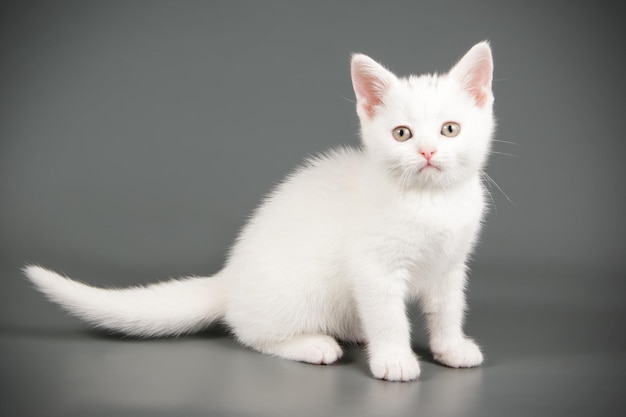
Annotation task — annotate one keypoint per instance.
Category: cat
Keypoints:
(338, 249)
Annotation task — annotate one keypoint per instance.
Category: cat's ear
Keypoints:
(370, 81)
(475, 71)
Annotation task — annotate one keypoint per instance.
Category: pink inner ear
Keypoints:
(370, 82)
(369, 92)
(479, 84)
(474, 71)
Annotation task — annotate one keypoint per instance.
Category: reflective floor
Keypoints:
(553, 338)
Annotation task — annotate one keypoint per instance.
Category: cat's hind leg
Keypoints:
(311, 348)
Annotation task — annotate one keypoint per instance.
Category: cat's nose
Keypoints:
(427, 152)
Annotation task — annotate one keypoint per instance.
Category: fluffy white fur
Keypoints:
(338, 249)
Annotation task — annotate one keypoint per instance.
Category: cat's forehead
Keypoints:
(429, 86)
(428, 94)
(424, 81)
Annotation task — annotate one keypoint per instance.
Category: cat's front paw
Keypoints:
(463, 354)
(395, 366)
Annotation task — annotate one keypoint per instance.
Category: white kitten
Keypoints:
(338, 249)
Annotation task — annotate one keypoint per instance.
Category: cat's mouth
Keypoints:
(429, 166)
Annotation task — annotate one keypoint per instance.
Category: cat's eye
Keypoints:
(450, 129)
(402, 133)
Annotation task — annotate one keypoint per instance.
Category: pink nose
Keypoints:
(427, 153)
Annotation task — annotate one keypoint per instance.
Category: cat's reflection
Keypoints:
(222, 377)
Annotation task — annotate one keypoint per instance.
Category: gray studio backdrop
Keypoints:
(141, 134)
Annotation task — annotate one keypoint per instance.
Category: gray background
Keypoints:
(136, 137)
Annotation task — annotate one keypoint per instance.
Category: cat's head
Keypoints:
(428, 130)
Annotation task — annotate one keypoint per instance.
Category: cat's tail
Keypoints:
(164, 309)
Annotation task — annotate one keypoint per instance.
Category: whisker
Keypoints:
(493, 202)
(348, 99)
(492, 181)
(505, 141)
(398, 170)
(404, 177)
(503, 153)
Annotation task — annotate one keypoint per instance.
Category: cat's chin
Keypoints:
(427, 179)
(433, 178)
